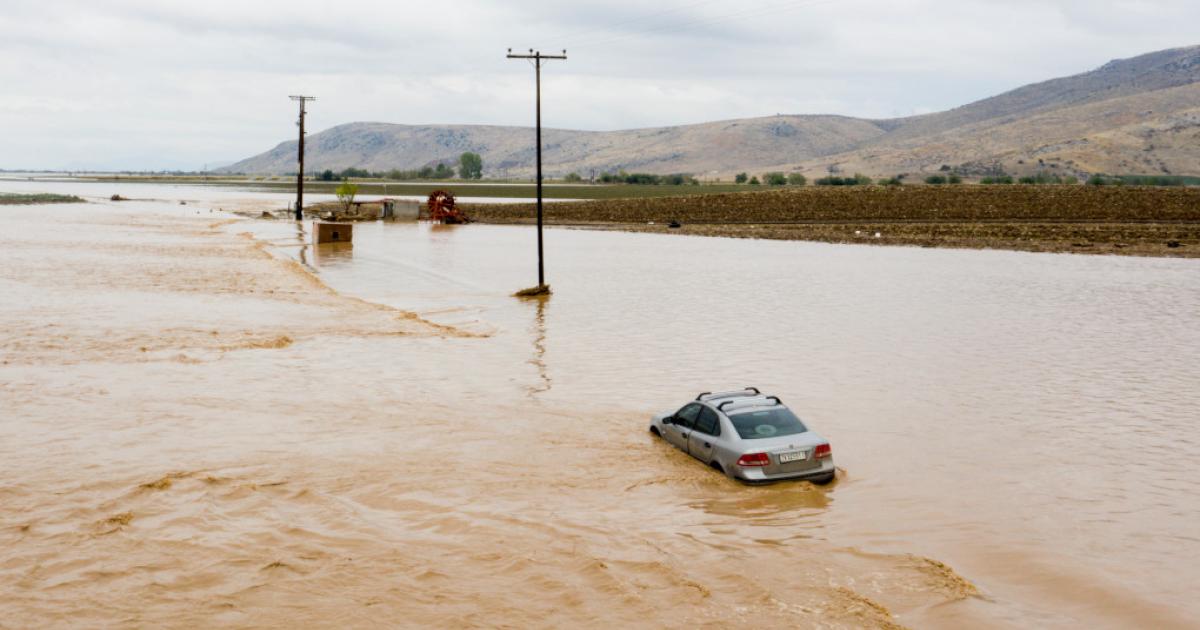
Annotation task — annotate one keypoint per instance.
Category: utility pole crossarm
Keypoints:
(536, 55)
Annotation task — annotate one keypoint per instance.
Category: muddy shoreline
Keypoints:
(1128, 221)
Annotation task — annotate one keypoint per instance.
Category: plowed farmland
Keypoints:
(1083, 219)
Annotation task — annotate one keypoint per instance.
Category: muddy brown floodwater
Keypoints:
(204, 422)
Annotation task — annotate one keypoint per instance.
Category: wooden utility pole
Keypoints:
(538, 58)
(300, 175)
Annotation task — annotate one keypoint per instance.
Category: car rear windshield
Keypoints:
(768, 423)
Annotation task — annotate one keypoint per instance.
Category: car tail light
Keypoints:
(754, 459)
(823, 450)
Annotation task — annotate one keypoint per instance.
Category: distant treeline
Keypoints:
(1143, 180)
(1098, 179)
(857, 179)
(441, 171)
(645, 179)
(470, 166)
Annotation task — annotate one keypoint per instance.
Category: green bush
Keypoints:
(754, 181)
(797, 179)
(1041, 179)
(936, 180)
(345, 193)
(775, 179)
(741, 178)
(677, 179)
(641, 178)
(857, 180)
(572, 177)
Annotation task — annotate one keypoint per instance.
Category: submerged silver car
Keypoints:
(747, 436)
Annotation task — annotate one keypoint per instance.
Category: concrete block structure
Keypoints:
(332, 232)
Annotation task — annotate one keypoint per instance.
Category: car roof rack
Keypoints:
(752, 402)
(749, 391)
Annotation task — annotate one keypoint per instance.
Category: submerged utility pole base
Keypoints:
(541, 290)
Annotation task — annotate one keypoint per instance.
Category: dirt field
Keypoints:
(1083, 219)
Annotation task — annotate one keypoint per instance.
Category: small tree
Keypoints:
(470, 166)
(954, 179)
(345, 194)
(741, 178)
(327, 175)
(797, 179)
(775, 179)
(754, 181)
(572, 177)
(936, 180)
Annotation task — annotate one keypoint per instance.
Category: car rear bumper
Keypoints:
(758, 475)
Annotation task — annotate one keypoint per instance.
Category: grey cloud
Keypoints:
(201, 82)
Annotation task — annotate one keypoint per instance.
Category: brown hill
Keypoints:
(509, 151)
(1135, 116)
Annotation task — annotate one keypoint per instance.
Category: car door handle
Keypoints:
(707, 445)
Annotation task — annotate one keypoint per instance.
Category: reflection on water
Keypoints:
(302, 239)
(195, 432)
(331, 254)
(769, 505)
(539, 346)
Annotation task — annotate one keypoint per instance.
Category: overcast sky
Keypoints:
(141, 84)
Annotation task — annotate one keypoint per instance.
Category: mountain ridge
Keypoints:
(1153, 130)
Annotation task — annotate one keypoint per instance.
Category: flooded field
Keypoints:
(207, 422)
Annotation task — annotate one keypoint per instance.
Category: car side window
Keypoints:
(686, 417)
(707, 422)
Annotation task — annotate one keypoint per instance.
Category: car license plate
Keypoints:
(794, 456)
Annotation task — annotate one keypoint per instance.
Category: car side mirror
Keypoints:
(669, 420)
